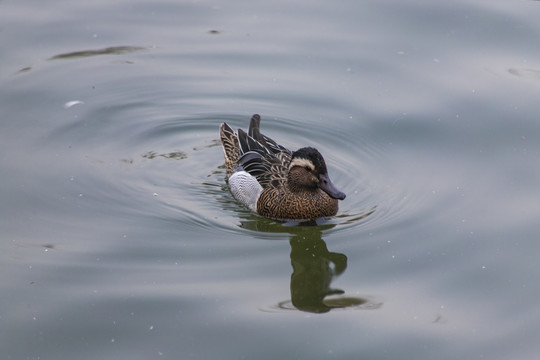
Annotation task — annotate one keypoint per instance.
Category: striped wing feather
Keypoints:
(262, 157)
(270, 170)
(259, 155)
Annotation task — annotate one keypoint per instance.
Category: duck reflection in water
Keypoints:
(314, 268)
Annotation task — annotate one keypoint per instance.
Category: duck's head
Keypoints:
(307, 171)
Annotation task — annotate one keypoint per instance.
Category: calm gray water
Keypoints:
(119, 239)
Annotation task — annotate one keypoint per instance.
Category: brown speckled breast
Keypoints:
(280, 204)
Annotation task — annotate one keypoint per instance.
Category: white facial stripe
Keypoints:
(302, 163)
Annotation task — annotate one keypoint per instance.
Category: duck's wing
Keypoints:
(268, 163)
(269, 170)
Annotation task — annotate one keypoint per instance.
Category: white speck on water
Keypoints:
(69, 104)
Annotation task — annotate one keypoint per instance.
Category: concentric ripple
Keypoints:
(183, 164)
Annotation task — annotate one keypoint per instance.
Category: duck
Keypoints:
(273, 181)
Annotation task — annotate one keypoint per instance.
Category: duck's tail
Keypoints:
(254, 131)
(229, 141)
(254, 127)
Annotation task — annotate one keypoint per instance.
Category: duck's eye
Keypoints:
(307, 168)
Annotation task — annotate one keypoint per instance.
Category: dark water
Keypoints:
(119, 239)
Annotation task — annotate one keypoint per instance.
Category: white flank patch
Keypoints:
(245, 188)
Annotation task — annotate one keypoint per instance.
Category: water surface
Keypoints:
(119, 238)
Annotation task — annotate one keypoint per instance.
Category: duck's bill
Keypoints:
(328, 187)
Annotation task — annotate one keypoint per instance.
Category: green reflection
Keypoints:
(314, 267)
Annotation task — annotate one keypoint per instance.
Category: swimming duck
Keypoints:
(275, 182)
